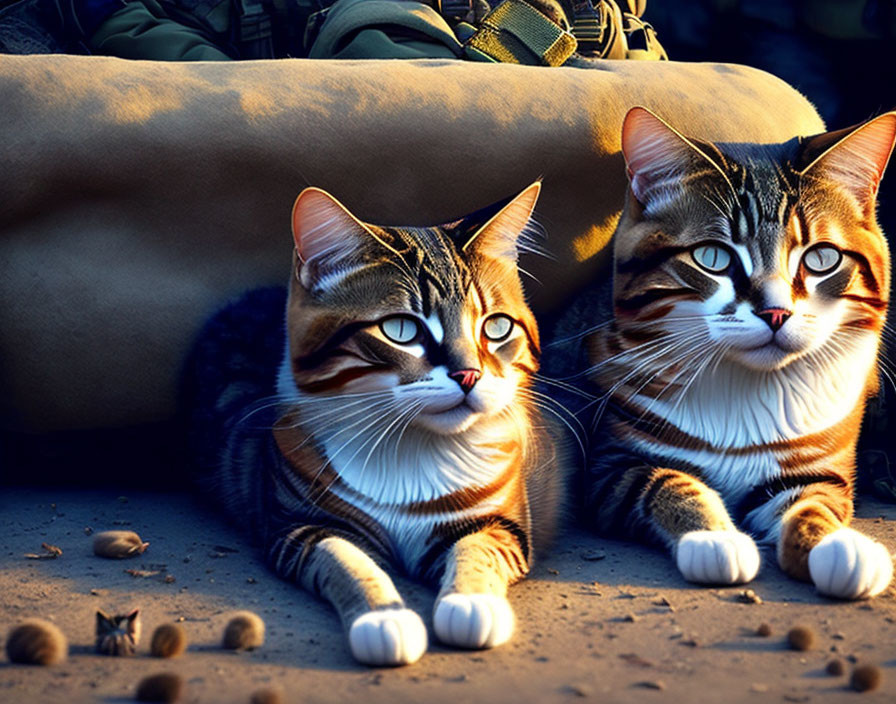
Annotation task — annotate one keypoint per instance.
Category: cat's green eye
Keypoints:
(712, 257)
(401, 329)
(497, 327)
(822, 259)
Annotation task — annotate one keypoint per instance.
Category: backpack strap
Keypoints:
(515, 32)
(254, 37)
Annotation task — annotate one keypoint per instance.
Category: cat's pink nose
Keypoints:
(774, 317)
(466, 378)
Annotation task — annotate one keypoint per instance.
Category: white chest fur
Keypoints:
(383, 478)
(418, 466)
(733, 407)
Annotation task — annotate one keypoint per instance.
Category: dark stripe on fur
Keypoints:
(763, 493)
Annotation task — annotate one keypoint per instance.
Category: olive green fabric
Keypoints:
(384, 29)
(143, 30)
(353, 29)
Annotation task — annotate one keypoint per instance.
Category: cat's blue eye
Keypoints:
(401, 329)
(497, 327)
(822, 259)
(712, 257)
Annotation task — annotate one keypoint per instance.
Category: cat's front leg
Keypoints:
(381, 630)
(694, 522)
(472, 610)
(817, 545)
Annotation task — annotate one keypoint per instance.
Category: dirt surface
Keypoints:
(597, 621)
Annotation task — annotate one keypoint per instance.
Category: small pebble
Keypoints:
(651, 684)
(117, 544)
(36, 642)
(165, 687)
(630, 617)
(800, 638)
(244, 631)
(580, 690)
(764, 630)
(865, 678)
(268, 695)
(748, 596)
(835, 667)
(168, 641)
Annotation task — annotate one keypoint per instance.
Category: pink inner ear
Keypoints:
(321, 226)
(653, 152)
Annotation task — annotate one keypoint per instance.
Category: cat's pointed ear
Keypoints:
(324, 227)
(134, 627)
(657, 155)
(499, 236)
(855, 158)
(326, 235)
(103, 622)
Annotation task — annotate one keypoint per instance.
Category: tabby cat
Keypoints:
(401, 429)
(733, 354)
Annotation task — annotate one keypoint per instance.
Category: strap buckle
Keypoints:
(456, 10)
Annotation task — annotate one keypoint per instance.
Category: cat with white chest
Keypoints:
(733, 352)
(389, 423)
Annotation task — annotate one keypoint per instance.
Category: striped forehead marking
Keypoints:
(436, 271)
(766, 194)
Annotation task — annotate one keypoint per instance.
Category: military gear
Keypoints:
(640, 38)
(535, 32)
(162, 32)
(515, 32)
(604, 31)
(393, 29)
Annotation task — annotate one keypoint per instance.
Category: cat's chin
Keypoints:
(451, 422)
(766, 358)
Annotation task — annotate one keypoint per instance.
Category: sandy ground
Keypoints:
(598, 620)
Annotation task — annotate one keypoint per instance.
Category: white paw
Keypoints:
(717, 557)
(473, 620)
(850, 565)
(387, 637)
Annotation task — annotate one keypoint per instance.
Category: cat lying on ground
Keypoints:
(402, 429)
(734, 350)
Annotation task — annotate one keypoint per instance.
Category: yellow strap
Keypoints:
(515, 32)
